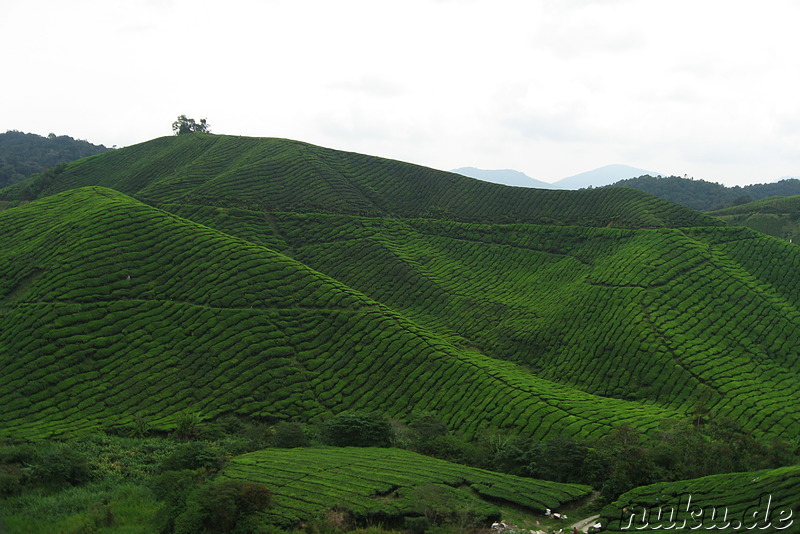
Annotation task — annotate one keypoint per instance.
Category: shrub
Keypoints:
(17, 454)
(427, 426)
(289, 435)
(221, 506)
(357, 429)
(417, 525)
(186, 424)
(10, 480)
(193, 455)
(61, 465)
(172, 488)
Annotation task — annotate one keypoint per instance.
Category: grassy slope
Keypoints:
(682, 317)
(269, 174)
(111, 309)
(678, 316)
(779, 217)
(741, 495)
(381, 484)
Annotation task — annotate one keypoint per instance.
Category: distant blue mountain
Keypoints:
(603, 176)
(597, 178)
(504, 177)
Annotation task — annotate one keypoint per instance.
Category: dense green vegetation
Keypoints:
(385, 485)
(277, 174)
(708, 196)
(107, 483)
(98, 330)
(764, 500)
(621, 313)
(603, 337)
(24, 154)
(779, 217)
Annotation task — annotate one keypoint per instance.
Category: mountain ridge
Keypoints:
(599, 177)
(262, 174)
(709, 196)
(590, 287)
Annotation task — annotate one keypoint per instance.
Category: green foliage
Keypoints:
(11, 478)
(222, 506)
(23, 155)
(192, 456)
(357, 429)
(60, 465)
(613, 307)
(427, 426)
(173, 488)
(186, 424)
(417, 525)
(184, 125)
(379, 484)
(708, 196)
(442, 504)
(577, 308)
(776, 216)
(288, 435)
(735, 502)
(229, 171)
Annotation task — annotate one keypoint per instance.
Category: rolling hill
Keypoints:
(708, 196)
(736, 502)
(112, 310)
(290, 176)
(600, 177)
(24, 154)
(778, 217)
(388, 485)
(281, 280)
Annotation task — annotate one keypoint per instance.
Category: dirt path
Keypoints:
(584, 524)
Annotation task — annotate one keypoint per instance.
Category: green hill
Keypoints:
(708, 196)
(207, 276)
(112, 310)
(386, 485)
(779, 217)
(575, 326)
(24, 154)
(277, 174)
(736, 502)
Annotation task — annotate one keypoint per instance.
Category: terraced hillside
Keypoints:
(683, 317)
(111, 310)
(737, 502)
(779, 217)
(277, 174)
(387, 484)
(671, 316)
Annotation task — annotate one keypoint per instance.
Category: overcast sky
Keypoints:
(552, 88)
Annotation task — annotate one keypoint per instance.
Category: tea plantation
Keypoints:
(778, 216)
(279, 174)
(387, 484)
(738, 502)
(113, 310)
(215, 278)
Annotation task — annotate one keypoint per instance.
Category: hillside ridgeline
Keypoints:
(708, 196)
(278, 174)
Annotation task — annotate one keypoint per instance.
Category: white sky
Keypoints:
(552, 88)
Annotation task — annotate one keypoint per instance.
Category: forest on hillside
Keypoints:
(702, 195)
(24, 154)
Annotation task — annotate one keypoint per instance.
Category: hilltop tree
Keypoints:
(185, 125)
